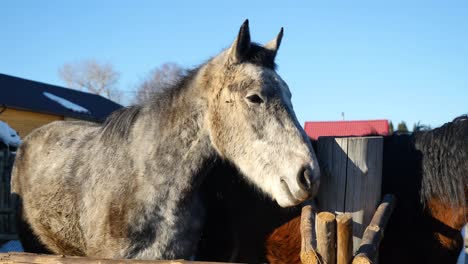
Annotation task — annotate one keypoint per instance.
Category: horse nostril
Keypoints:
(305, 178)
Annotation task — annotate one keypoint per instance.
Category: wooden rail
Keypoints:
(16, 258)
(369, 247)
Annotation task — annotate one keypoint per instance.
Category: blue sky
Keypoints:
(399, 60)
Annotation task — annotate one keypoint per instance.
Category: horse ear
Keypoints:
(275, 43)
(241, 45)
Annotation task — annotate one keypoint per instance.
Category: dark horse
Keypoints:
(130, 188)
(427, 171)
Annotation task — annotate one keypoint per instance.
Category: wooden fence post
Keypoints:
(326, 237)
(344, 239)
(308, 253)
(351, 179)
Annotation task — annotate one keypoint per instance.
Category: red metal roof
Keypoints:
(346, 128)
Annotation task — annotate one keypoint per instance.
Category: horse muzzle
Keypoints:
(303, 187)
(309, 180)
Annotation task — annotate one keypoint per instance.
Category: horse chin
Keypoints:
(286, 198)
(287, 201)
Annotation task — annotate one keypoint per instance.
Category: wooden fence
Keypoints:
(328, 239)
(351, 179)
(7, 219)
(59, 259)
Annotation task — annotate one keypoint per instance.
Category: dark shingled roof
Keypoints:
(29, 95)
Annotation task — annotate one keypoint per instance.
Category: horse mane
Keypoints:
(118, 124)
(460, 118)
(166, 93)
(445, 161)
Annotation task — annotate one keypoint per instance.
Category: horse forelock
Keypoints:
(257, 55)
(261, 56)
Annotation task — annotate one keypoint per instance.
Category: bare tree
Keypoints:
(158, 79)
(93, 77)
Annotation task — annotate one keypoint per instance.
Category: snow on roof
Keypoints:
(8, 135)
(65, 103)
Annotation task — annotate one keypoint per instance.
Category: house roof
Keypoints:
(35, 96)
(346, 128)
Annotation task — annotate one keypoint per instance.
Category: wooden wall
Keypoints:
(7, 219)
(24, 121)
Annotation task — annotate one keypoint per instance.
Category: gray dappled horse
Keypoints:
(129, 188)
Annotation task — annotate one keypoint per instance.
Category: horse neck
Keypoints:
(171, 136)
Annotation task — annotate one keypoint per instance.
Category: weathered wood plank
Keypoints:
(352, 177)
(364, 182)
(7, 227)
(332, 156)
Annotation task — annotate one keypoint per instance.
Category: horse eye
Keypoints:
(255, 99)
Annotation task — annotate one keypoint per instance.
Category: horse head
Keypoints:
(252, 123)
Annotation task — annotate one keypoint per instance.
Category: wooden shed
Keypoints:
(26, 105)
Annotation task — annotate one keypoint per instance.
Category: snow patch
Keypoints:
(8, 135)
(11, 246)
(65, 103)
